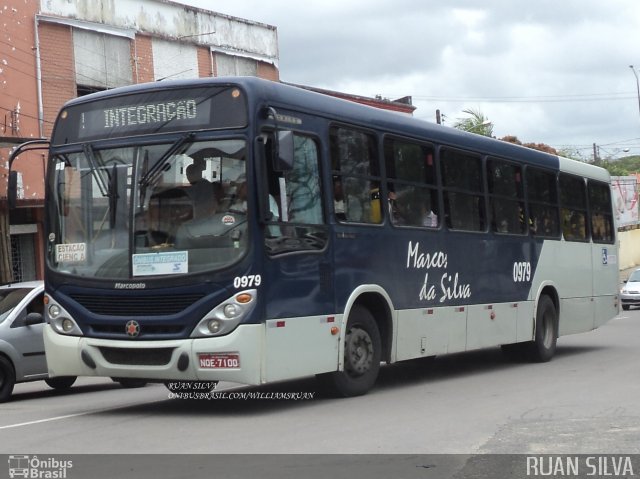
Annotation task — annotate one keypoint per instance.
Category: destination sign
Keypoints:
(150, 114)
(152, 111)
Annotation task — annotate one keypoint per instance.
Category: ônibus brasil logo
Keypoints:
(38, 468)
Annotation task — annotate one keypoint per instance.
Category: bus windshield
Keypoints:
(163, 209)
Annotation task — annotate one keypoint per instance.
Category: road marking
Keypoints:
(85, 413)
(67, 416)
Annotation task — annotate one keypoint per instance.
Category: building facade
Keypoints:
(54, 50)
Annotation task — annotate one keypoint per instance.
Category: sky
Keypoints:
(546, 71)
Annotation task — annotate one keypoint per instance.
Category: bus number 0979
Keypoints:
(521, 271)
(247, 281)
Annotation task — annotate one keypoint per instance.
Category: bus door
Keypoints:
(297, 277)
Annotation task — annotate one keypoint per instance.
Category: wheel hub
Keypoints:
(358, 352)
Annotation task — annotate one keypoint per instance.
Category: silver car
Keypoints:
(630, 292)
(21, 345)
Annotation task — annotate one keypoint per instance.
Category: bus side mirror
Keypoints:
(12, 189)
(283, 157)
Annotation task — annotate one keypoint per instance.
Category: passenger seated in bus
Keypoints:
(429, 218)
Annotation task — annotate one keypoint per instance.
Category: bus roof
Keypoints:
(294, 98)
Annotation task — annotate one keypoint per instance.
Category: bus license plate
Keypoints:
(219, 360)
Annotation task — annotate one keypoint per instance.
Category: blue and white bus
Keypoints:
(236, 229)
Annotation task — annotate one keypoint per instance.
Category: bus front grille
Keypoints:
(137, 357)
(157, 305)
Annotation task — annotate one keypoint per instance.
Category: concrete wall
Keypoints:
(629, 248)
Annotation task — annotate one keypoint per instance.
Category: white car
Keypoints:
(22, 355)
(630, 292)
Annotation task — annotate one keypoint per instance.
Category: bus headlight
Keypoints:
(225, 317)
(214, 326)
(60, 320)
(231, 311)
(54, 311)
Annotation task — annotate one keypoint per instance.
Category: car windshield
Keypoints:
(161, 209)
(635, 277)
(9, 299)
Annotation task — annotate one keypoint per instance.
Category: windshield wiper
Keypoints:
(87, 148)
(113, 196)
(157, 169)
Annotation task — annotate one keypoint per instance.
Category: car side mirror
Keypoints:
(33, 318)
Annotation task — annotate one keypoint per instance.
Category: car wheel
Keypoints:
(626, 307)
(7, 379)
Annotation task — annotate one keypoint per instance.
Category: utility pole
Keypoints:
(635, 74)
(438, 117)
(595, 154)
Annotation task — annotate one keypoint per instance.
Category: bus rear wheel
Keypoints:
(543, 347)
(362, 353)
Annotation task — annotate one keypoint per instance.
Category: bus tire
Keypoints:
(543, 347)
(7, 379)
(130, 383)
(362, 353)
(61, 382)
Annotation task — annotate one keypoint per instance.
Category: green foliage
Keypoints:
(626, 166)
(476, 123)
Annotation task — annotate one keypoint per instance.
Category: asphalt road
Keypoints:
(585, 401)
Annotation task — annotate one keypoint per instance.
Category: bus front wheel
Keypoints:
(7, 379)
(362, 352)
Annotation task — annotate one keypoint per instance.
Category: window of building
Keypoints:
(573, 202)
(356, 176)
(413, 197)
(462, 190)
(230, 65)
(506, 197)
(600, 212)
(102, 61)
(174, 60)
(542, 196)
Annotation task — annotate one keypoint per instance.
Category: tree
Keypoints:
(476, 123)
(534, 146)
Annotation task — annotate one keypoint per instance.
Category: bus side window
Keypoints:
(356, 176)
(413, 197)
(574, 208)
(463, 190)
(542, 196)
(295, 201)
(599, 196)
(506, 197)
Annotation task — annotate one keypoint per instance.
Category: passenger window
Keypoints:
(600, 210)
(506, 197)
(462, 190)
(542, 196)
(412, 197)
(573, 200)
(356, 176)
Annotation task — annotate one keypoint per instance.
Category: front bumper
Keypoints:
(156, 360)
